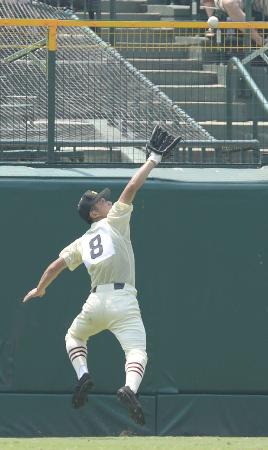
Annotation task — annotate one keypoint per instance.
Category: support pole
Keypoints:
(51, 91)
(112, 33)
(229, 101)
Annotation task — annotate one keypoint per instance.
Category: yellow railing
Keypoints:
(126, 24)
(52, 25)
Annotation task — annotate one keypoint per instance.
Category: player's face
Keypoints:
(102, 207)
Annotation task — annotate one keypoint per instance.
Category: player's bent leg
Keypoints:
(136, 361)
(77, 351)
(84, 325)
(129, 330)
(132, 337)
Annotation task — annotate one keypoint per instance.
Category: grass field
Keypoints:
(133, 443)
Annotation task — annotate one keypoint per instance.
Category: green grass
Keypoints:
(133, 443)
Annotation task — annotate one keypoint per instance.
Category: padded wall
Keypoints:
(201, 269)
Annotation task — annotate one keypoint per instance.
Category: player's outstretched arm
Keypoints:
(136, 182)
(161, 144)
(51, 272)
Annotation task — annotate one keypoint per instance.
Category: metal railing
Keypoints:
(197, 153)
(234, 64)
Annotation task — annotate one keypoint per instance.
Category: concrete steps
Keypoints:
(210, 111)
(144, 37)
(178, 12)
(160, 52)
(127, 6)
(201, 111)
(166, 64)
(241, 130)
(201, 93)
(172, 39)
(132, 16)
(178, 77)
(171, 12)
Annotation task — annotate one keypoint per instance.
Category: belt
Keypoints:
(116, 286)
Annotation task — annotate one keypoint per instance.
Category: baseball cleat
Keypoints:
(84, 385)
(127, 397)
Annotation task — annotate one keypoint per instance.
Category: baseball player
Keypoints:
(106, 251)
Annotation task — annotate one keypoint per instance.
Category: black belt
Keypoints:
(116, 286)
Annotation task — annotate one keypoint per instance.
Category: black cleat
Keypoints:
(130, 401)
(84, 385)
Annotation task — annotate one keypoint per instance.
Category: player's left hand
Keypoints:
(161, 144)
(33, 294)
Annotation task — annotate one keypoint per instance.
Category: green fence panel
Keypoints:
(212, 415)
(201, 262)
(52, 415)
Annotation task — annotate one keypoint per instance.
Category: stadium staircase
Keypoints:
(144, 10)
(194, 78)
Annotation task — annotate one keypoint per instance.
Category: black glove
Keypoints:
(160, 144)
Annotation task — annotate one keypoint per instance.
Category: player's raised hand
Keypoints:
(33, 294)
(161, 144)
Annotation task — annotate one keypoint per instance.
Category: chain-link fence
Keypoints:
(91, 92)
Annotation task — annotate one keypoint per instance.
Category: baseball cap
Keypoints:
(88, 199)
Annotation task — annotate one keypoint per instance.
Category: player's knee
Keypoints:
(71, 342)
(137, 355)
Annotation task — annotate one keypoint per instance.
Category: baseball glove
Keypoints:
(161, 142)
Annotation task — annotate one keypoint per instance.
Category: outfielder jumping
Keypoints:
(107, 253)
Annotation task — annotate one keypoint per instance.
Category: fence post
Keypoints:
(112, 17)
(51, 91)
(229, 101)
(248, 10)
(98, 9)
(112, 9)
(195, 9)
(248, 13)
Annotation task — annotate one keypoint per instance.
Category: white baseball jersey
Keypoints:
(105, 249)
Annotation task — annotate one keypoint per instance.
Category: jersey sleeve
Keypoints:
(71, 255)
(119, 216)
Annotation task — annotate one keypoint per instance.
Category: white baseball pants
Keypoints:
(114, 310)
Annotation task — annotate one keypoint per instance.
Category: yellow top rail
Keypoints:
(125, 24)
(53, 24)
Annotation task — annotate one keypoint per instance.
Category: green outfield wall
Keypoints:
(201, 272)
